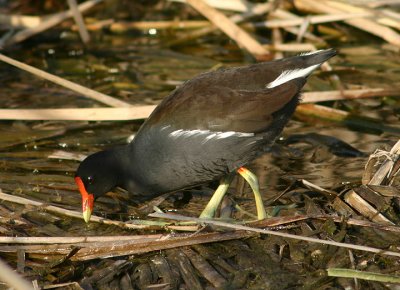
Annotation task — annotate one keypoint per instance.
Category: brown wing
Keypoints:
(235, 99)
(197, 106)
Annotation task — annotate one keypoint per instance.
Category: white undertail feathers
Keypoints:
(289, 75)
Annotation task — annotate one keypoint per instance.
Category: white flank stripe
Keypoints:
(165, 127)
(226, 134)
(311, 52)
(208, 135)
(289, 75)
(186, 133)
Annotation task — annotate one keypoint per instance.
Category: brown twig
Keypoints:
(312, 97)
(333, 7)
(78, 114)
(51, 21)
(285, 15)
(241, 37)
(290, 47)
(386, 169)
(20, 20)
(76, 214)
(76, 240)
(382, 176)
(237, 6)
(365, 208)
(258, 9)
(276, 233)
(311, 20)
(379, 3)
(97, 250)
(145, 25)
(13, 279)
(79, 21)
(105, 99)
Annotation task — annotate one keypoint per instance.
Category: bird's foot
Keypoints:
(252, 180)
(211, 208)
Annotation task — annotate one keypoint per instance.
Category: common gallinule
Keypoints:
(205, 130)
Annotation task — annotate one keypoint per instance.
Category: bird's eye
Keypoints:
(90, 179)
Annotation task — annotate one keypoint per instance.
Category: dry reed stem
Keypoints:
(232, 5)
(248, 10)
(381, 177)
(60, 154)
(364, 208)
(392, 18)
(76, 240)
(190, 24)
(322, 112)
(386, 19)
(362, 223)
(142, 112)
(312, 97)
(105, 99)
(106, 247)
(364, 275)
(277, 39)
(20, 20)
(123, 248)
(258, 9)
(383, 16)
(242, 38)
(241, 6)
(275, 233)
(285, 220)
(50, 22)
(208, 271)
(12, 279)
(313, 111)
(67, 285)
(79, 21)
(311, 20)
(384, 171)
(272, 222)
(76, 214)
(333, 7)
(78, 114)
(379, 3)
(145, 25)
(290, 47)
(315, 187)
(283, 14)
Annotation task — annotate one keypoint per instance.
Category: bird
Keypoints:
(207, 129)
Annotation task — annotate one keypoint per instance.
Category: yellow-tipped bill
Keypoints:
(87, 199)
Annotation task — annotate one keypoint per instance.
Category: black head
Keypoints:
(96, 175)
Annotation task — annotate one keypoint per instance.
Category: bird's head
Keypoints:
(96, 176)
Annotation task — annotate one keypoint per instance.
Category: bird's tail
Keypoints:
(304, 65)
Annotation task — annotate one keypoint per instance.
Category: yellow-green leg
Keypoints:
(219, 194)
(217, 197)
(252, 180)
